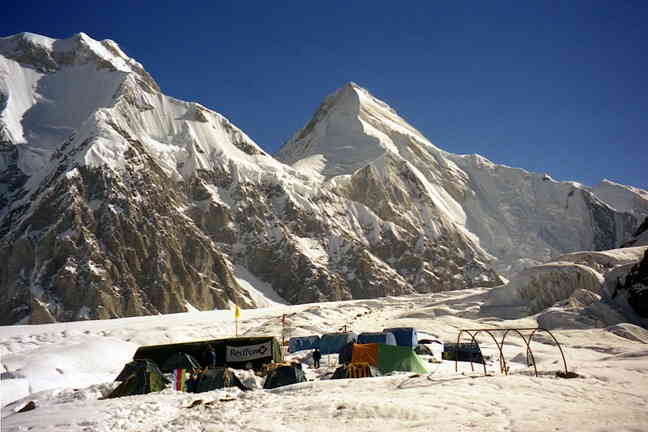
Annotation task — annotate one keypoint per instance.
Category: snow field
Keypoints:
(612, 389)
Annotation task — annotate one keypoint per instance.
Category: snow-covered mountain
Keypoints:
(117, 200)
(521, 218)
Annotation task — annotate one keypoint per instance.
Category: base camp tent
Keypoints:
(217, 378)
(231, 352)
(383, 338)
(332, 343)
(356, 370)
(139, 377)
(303, 343)
(284, 375)
(388, 358)
(405, 336)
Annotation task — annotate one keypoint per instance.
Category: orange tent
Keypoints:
(365, 353)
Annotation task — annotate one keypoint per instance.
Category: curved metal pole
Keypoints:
(474, 340)
(502, 360)
(529, 353)
(457, 351)
(555, 340)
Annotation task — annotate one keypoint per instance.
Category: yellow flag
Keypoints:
(237, 312)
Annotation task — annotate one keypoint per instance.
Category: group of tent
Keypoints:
(186, 364)
(332, 343)
(367, 354)
(360, 355)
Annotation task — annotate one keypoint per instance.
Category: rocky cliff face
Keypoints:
(116, 200)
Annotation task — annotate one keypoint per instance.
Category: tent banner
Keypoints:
(248, 352)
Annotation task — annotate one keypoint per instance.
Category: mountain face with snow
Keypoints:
(521, 218)
(117, 200)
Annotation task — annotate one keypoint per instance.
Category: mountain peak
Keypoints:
(349, 130)
(46, 54)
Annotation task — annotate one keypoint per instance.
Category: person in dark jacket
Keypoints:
(210, 356)
(317, 356)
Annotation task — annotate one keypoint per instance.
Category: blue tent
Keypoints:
(332, 343)
(405, 336)
(303, 343)
(382, 338)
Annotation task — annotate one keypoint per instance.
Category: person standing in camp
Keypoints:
(210, 356)
(317, 356)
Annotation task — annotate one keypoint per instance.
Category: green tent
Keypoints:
(139, 377)
(218, 378)
(398, 358)
(284, 375)
(388, 358)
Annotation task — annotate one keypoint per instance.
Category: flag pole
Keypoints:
(237, 315)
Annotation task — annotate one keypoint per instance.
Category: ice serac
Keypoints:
(576, 290)
(519, 217)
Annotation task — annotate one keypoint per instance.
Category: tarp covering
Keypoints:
(405, 336)
(217, 378)
(383, 338)
(303, 343)
(388, 358)
(332, 343)
(198, 349)
(139, 377)
(179, 360)
(284, 375)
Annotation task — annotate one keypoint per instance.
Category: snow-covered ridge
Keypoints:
(49, 88)
(520, 217)
(350, 129)
(49, 54)
(624, 198)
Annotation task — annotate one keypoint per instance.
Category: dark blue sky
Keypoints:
(559, 87)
